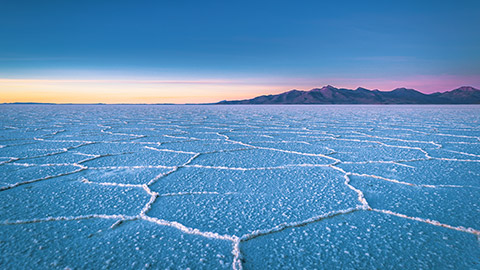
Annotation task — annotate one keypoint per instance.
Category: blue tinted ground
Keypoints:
(253, 187)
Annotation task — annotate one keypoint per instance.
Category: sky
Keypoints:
(176, 51)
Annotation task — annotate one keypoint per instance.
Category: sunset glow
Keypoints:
(195, 91)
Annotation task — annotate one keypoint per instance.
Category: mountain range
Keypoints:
(332, 95)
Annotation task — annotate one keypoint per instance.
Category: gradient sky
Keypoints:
(205, 51)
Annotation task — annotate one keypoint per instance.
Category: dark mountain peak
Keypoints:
(326, 88)
(465, 89)
(362, 89)
(293, 91)
(329, 87)
(403, 89)
(462, 95)
(412, 95)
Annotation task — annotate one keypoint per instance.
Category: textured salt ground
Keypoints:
(363, 240)
(122, 175)
(67, 196)
(70, 157)
(11, 174)
(297, 146)
(467, 148)
(423, 172)
(87, 244)
(204, 146)
(237, 202)
(458, 206)
(110, 148)
(144, 157)
(262, 158)
(239, 187)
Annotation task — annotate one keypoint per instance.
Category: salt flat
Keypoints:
(253, 187)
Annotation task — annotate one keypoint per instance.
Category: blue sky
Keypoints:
(249, 47)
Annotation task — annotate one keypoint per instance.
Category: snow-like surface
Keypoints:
(254, 187)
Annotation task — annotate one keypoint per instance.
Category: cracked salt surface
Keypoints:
(254, 187)
(245, 201)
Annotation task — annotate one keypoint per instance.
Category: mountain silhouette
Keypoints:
(332, 95)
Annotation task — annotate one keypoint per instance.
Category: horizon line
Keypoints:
(217, 102)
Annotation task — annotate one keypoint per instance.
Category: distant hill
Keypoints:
(332, 95)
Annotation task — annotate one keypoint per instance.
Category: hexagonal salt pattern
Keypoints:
(254, 187)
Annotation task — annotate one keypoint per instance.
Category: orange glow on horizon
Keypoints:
(199, 91)
(116, 81)
(124, 91)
